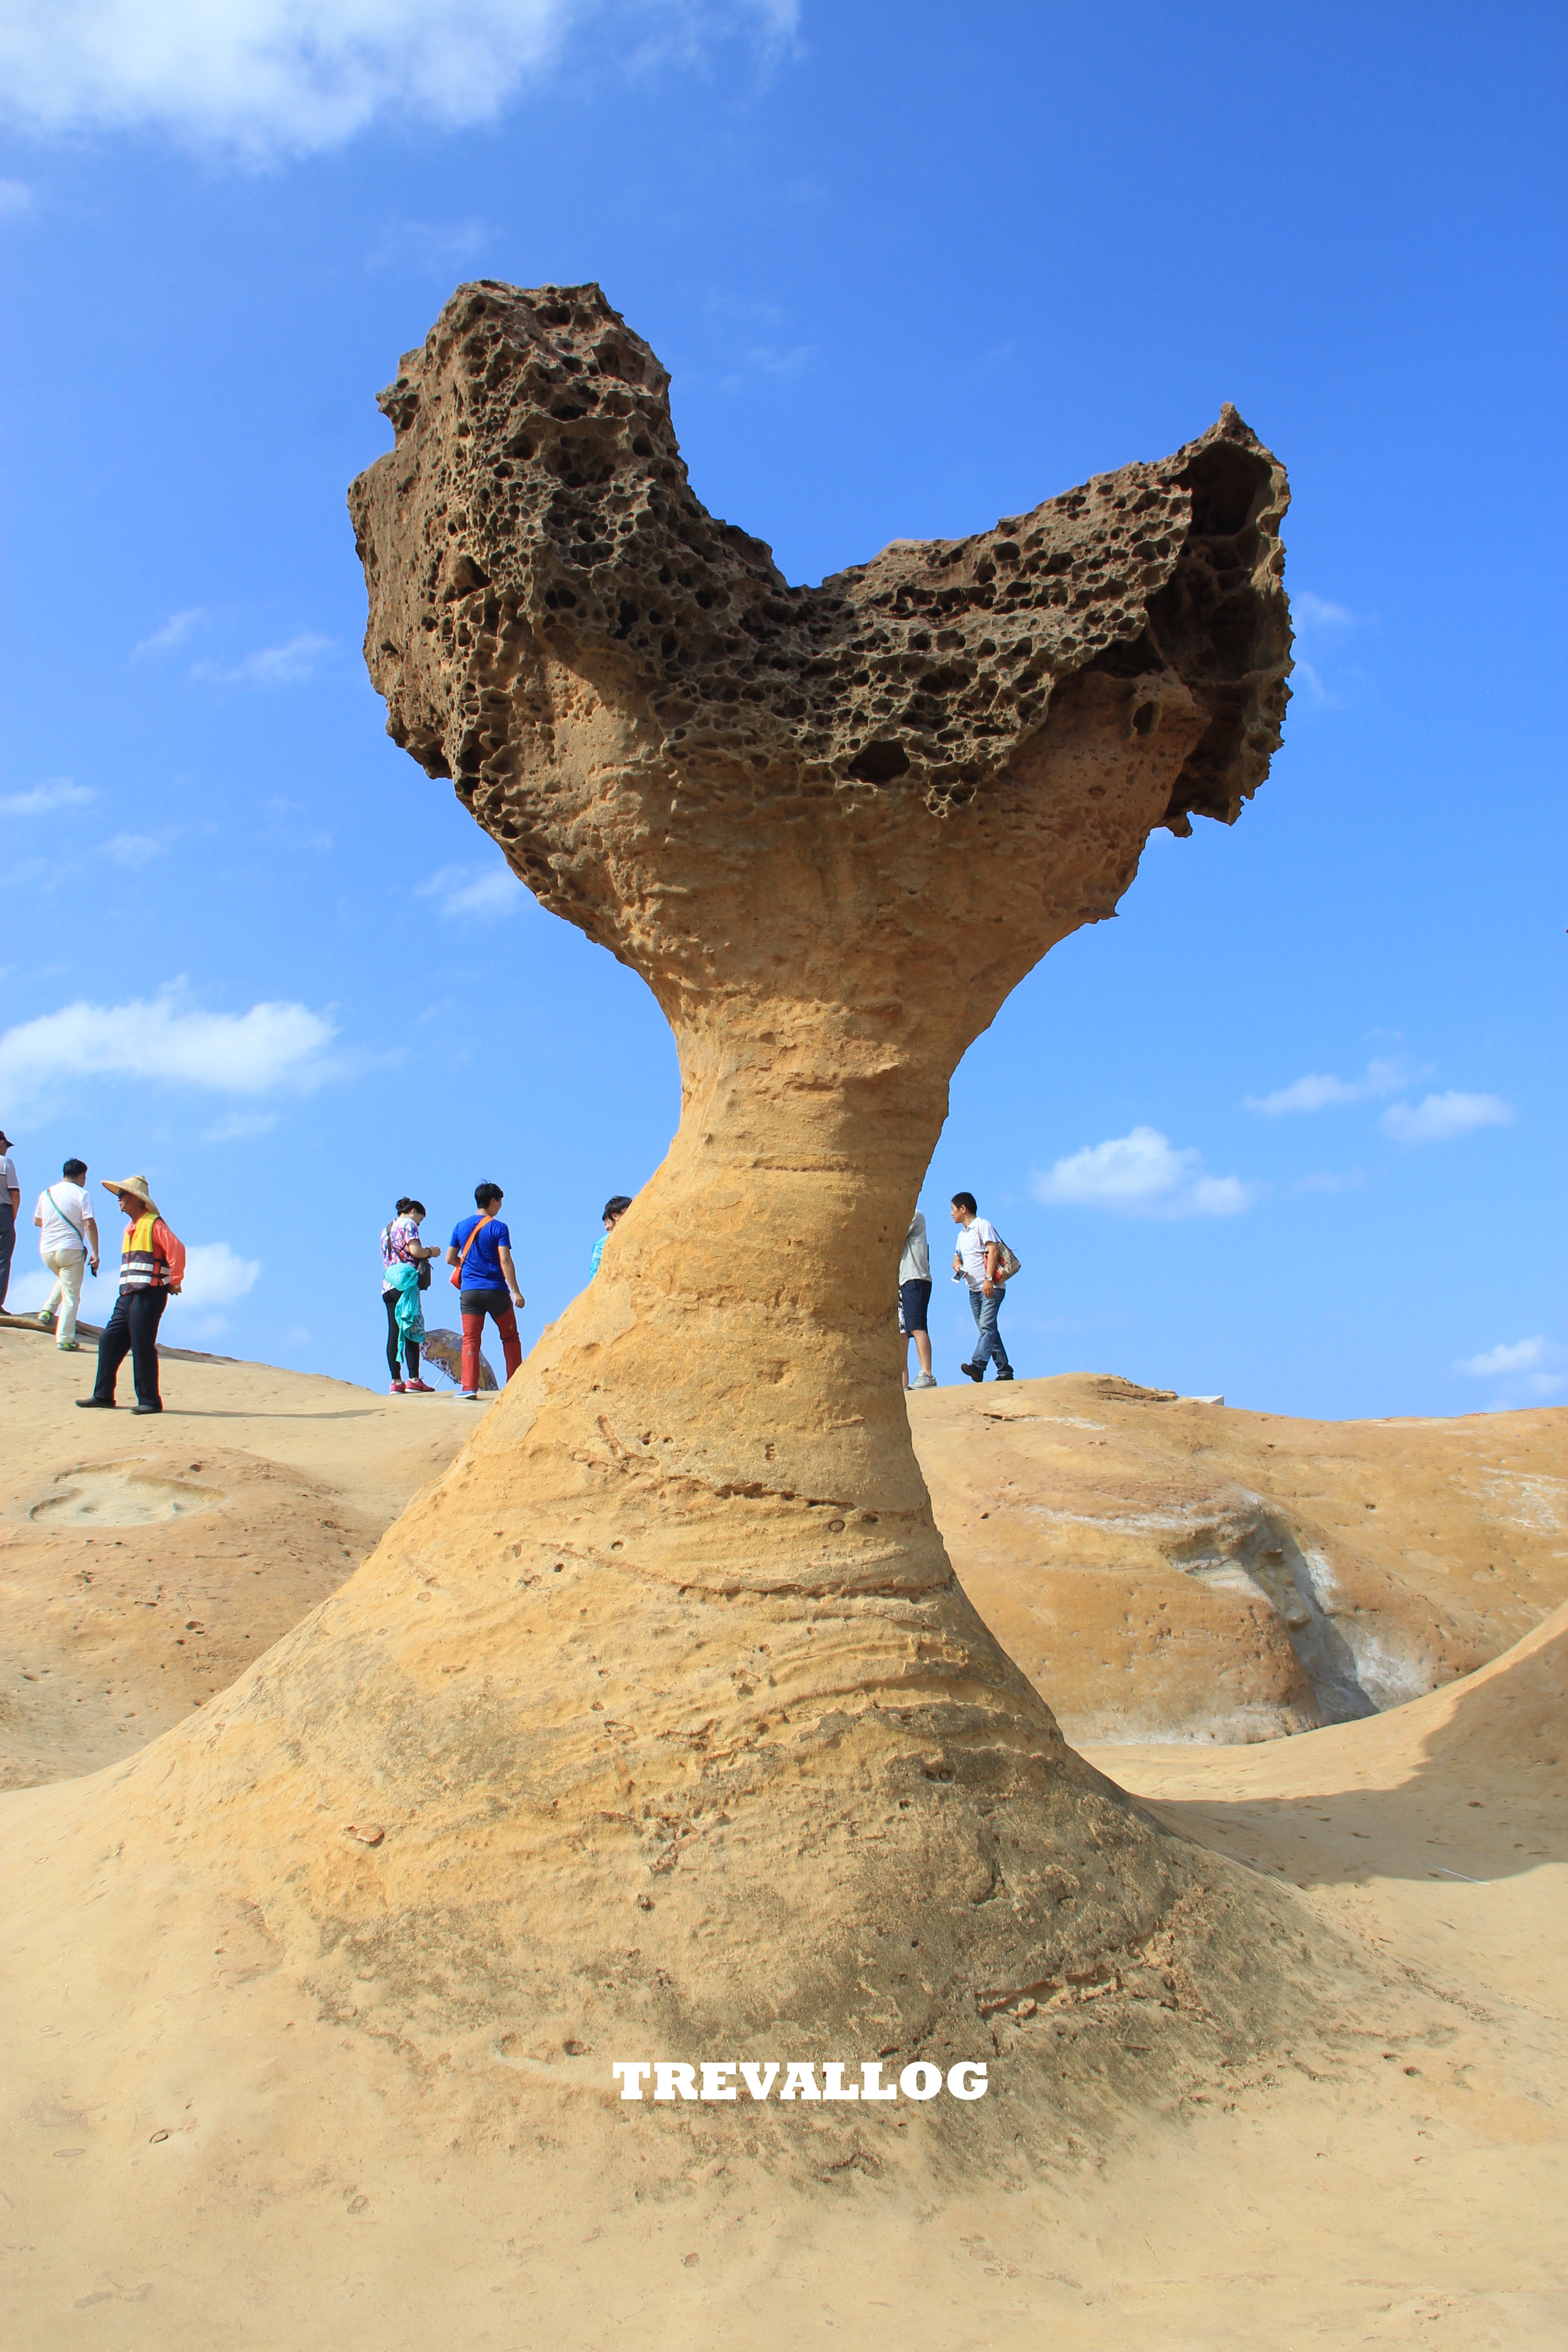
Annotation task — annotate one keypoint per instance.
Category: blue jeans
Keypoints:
(989, 1342)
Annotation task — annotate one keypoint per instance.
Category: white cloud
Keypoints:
(768, 360)
(15, 198)
(215, 1277)
(281, 76)
(429, 245)
(1321, 628)
(28, 1292)
(42, 799)
(132, 849)
(1317, 1092)
(242, 1127)
(173, 632)
(1438, 1118)
(1315, 617)
(1520, 1356)
(1535, 1360)
(1142, 1175)
(285, 665)
(1327, 1180)
(284, 833)
(484, 891)
(167, 1041)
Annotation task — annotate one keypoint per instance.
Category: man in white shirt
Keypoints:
(68, 1243)
(976, 1260)
(10, 1201)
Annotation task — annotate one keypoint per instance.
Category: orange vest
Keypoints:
(141, 1269)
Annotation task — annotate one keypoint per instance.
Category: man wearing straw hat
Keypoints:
(152, 1269)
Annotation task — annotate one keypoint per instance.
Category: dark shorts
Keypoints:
(914, 1298)
(497, 1303)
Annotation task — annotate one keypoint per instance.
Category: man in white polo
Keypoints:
(977, 1261)
(68, 1244)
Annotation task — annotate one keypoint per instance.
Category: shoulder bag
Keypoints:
(489, 1218)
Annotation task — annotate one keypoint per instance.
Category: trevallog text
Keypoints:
(715, 2079)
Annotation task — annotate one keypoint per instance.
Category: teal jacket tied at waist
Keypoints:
(405, 1281)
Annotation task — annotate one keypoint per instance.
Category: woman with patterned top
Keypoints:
(400, 1246)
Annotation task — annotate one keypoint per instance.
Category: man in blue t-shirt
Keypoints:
(480, 1249)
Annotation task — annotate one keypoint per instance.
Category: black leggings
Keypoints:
(396, 1340)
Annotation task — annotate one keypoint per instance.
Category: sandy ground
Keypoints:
(202, 2148)
(145, 1563)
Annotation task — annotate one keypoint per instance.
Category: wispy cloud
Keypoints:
(1515, 1356)
(768, 360)
(1535, 1362)
(1315, 615)
(242, 1127)
(482, 892)
(1323, 630)
(42, 799)
(133, 850)
(1436, 1118)
(215, 1277)
(15, 198)
(429, 245)
(270, 77)
(283, 832)
(1324, 1092)
(173, 632)
(165, 1040)
(285, 665)
(1142, 1175)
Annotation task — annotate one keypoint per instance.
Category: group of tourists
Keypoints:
(983, 1262)
(151, 1271)
(486, 1281)
(484, 1277)
(152, 1265)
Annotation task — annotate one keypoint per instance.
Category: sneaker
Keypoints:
(1005, 1373)
(397, 1388)
(45, 1318)
(975, 1372)
(418, 1388)
(68, 1346)
(923, 1381)
(467, 1396)
(104, 1405)
(146, 1408)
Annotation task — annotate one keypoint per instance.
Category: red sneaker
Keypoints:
(418, 1388)
(397, 1388)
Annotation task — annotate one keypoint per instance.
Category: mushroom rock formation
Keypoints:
(831, 828)
(664, 1725)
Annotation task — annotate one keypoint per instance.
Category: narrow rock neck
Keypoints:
(722, 1404)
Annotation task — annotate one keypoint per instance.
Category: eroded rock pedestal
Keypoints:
(682, 1736)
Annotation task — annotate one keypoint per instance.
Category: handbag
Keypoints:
(487, 1219)
(1007, 1265)
(423, 1273)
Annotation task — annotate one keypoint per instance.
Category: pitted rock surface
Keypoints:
(546, 530)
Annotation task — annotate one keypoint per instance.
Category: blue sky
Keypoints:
(1291, 1126)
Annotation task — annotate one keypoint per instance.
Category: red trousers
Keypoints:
(476, 1305)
